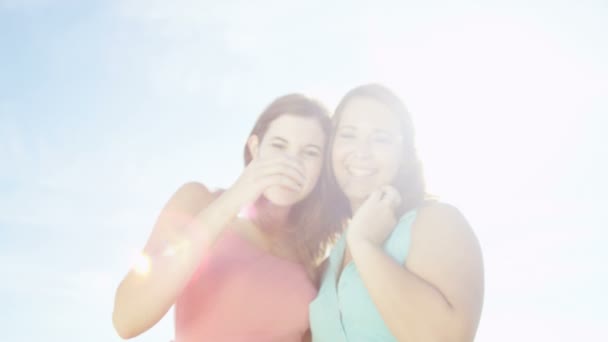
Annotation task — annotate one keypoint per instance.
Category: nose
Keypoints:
(293, 155)
(362, 149)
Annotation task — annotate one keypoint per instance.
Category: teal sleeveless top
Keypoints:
(343, 311)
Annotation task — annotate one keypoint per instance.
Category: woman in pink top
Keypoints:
(239, 265)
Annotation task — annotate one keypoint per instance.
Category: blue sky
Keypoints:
(106, 107)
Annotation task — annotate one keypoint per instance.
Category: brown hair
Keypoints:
(314, 220)
(410, 179)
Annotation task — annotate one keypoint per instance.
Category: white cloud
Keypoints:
(24, 274)
(212, 65)
(25, 4)
(249, 51)
(541, 326)
(53, 299)
(13, 150)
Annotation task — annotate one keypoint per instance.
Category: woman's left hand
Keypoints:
(375, 219)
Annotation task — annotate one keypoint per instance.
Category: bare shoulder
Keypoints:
(445, 252)
(440, 221)
(192, 194)
(187, 201)
(440, 235)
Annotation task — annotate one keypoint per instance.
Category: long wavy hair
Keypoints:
(410, 179)
(313, 221)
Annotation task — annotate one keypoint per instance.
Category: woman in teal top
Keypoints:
(405, 269)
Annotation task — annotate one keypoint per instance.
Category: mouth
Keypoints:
(360, 171)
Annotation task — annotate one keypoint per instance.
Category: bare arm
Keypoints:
(187, 226)
(438, 295)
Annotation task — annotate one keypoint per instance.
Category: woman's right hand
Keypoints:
(195, 215)
(262, 173)
(375, 219)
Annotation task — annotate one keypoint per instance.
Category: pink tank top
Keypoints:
(241, 293)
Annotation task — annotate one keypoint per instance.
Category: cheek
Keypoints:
(313, 171)
(337, 167)
(391, 165)
(337, 156)
(264, 152)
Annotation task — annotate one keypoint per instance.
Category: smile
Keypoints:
(360, 171)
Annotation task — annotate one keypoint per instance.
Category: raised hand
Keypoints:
(263, 173)
(375, 219)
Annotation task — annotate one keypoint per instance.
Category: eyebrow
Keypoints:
(316, 147)
(351, 127)
(279, 138)
(283, 140)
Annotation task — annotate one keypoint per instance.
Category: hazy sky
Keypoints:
(106, 107)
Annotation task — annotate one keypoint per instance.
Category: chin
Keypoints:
(282, 197)
(357, 192)
(358, 196)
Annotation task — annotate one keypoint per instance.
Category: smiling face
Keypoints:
(299, 138)
(368, 148)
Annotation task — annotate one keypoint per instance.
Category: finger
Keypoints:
(375, 196)
(294, 164)
(280, 180)
(285, 161)
(284, 169)
(391, 196)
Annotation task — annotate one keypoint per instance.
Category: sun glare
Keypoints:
(141, 264)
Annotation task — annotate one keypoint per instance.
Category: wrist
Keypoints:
(231, 202)
(360, 247)
(355, 239)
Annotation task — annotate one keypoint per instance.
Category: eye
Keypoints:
(278, 146)
(312, 153)
(382, 140)
(346, 135)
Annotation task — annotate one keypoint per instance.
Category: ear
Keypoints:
(253, 144)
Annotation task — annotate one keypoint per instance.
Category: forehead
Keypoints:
(296, 128)
(368, 113)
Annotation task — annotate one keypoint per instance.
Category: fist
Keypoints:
(375, 219)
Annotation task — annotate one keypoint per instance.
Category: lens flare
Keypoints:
(141, 264)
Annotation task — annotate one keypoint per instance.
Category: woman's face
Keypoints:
(300, 139)
(368, 148)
